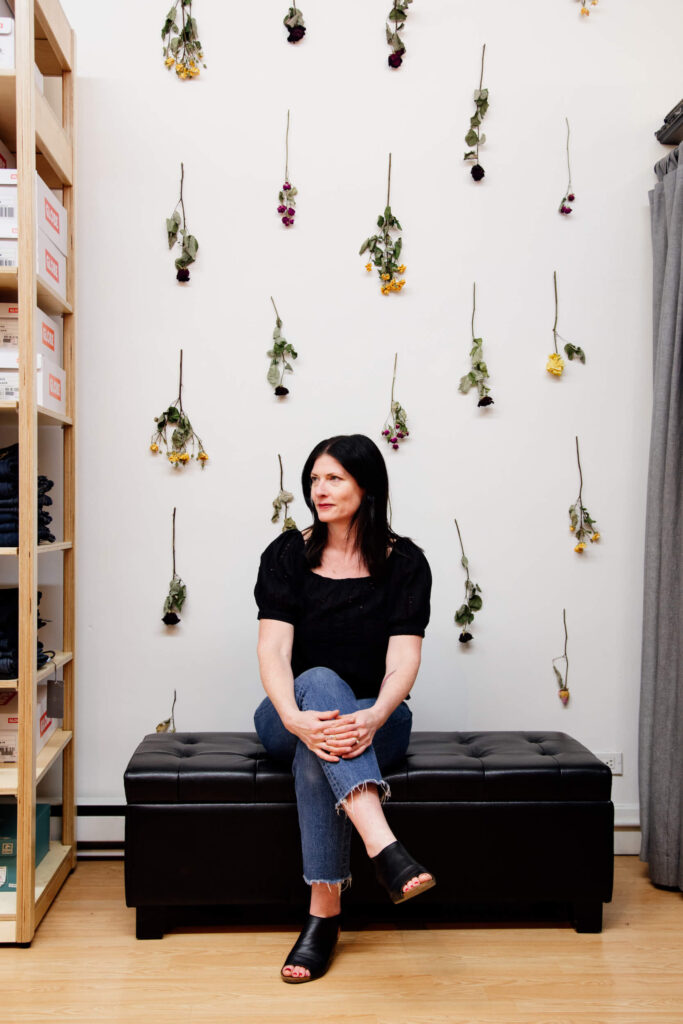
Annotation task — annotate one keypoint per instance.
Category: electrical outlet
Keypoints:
(615, 762)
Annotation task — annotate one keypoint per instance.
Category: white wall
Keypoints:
(509, 474)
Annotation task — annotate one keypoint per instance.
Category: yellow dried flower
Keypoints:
(386, 277)
(580, 547)
(170, 61)
(402, 269)
(571, 529)
(203, 457)
(368, 267)
(555, 364)
(173, 457)
(184, 457)
(595, 536)
(154, 447)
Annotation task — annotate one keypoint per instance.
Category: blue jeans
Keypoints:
(321, 786)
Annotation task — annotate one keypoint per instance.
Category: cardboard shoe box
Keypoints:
(9, 723)
(8, 842)
(7, 159)
(51, 216)
(50, 381)
(47, 331)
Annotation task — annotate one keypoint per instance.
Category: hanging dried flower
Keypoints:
(473, 602)
(279, 363)
(189, 245)
(395, 425)
(185, 442)
(182, 51)
(474, 138)
(286, 207)
(479, 373)
(283, 501)
(584, 6)
(569, 197)
(555, 364)
(396, 21)
(168, 724)
(563, 691)
(177, 592)
(580, 522)
(384, 251)
(294, 23)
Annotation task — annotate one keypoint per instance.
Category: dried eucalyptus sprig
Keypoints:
(569, 197)
(397, 15)
(177, 592)
(395, 425)
(286, 201)
(479, 373)
(584, 6)
(189, 245)
(580, 522)
(168, 724)
(183, 436)
(182, 51)
(474, 137)
(473, 602)
(279, 363)
(384, 251)
(563, 691)
(283, 501)
(294, 23)
(555, 364)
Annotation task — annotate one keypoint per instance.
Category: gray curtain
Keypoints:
(661, 694)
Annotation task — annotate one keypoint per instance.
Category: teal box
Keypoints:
(8, 842)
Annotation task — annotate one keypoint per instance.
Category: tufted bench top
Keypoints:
(232, 767)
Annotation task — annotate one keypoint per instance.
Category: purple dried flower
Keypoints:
(385, 433)
(286, 186)
(183, 275)
(395, 59)
(296, 33)
(571, 197)
(399, 433)
(291, 211)
(392, 440)
(285, 221)
(395, 447)
(281, 209)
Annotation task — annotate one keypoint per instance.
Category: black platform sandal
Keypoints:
(394, 867)
(314, 948)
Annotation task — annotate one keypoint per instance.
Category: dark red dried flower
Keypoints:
(170, 619)
(477, 172)
(486, 400)
(280, 390)
(465, 638)
(183, 274)
(395, 60)
(296, 33)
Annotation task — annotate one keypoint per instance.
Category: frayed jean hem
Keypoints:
(344, 883)
(382, 786)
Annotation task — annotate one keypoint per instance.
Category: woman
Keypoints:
(343, 608)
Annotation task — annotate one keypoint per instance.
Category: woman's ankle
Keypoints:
(325, 899)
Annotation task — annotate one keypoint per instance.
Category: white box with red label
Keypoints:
(47, 331)
(50, 381)
(51, 217)
(9, 252)
(9, 722)
(51, 264)
(6, 42)
(7, 159)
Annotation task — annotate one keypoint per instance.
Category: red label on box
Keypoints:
(13, 309)
(51, 215)
(13, 720)
(48, 337)
(54, 386)
(52, 266)
(45, 723)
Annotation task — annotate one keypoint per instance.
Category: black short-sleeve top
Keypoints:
(344, 624)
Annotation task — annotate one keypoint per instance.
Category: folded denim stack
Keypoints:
(9, 500)
(9, 634)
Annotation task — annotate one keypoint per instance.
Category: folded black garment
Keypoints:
(9, 462)
(12, 517)
(10, 538)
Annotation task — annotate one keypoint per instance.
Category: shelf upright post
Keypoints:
(69, 478)
(28, 469)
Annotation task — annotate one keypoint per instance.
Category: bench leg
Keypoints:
(588, 915)
(149, 922)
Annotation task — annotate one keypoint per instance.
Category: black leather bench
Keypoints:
(499, 817)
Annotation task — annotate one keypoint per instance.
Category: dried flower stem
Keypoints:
(481, 85)
(287, 150)
(556, 311)
(389, 182)
(569, 169)
(173, 541)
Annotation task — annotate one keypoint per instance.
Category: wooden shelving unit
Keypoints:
(42, 142)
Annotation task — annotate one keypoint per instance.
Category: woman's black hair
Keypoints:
(362, 459)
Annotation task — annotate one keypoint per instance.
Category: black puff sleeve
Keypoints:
(278, 586)
(410, 590)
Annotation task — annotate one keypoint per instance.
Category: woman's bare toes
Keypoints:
(418, 880)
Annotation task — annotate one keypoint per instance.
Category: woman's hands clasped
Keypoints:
(332, 736)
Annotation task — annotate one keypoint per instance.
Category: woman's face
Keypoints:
(334, 492)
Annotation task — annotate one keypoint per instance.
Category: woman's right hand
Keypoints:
(309, 727)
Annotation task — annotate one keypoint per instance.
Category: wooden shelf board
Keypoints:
(60, 658)
(58, 545)
(44, 761)
(50, 873)
(54, 159)
(53, 37)
(46, 418)
(48, 299)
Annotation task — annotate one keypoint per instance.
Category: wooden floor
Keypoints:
(85, 965)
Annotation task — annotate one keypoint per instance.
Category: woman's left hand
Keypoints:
(357, 729)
